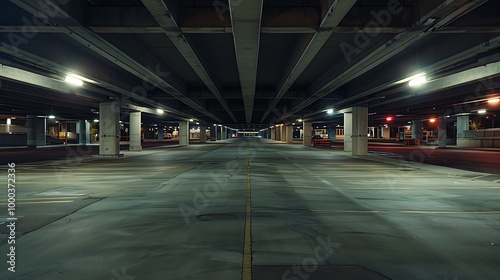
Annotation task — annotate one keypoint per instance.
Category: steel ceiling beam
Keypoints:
(104, 88)
(440, 16)
(91, 40)
(160, 11)
(263, 30)
(246, 19)
(335, 12)
(394, 85)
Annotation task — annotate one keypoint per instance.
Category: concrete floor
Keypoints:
(183, 213)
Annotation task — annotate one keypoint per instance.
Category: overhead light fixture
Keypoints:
(432, 120)
(493, 100)
(329, 111)
(388, 119)
(299, 120)
(159, 111)
(96, 120)
(481, 111)
(73, 80)
(417, 80)
(52, 117)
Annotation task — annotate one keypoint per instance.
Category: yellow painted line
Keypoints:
(273, 186)
(41, 202)
(50, 198)
(449, 212)
(380, 188)
(385, 211)
(247, 242)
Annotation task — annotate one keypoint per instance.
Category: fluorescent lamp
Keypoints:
(329, 111)
(191, 120)
(52, 117)
(432, 120)
(159, 111)
(482, 111)
(299, 120)
(418, 81)
(96, 120)
(74, 81)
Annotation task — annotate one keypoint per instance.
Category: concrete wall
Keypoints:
(478, 143)
(13, 140)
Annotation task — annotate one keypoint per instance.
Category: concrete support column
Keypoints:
(83, 132)
(203, 133)
(442, 132)
(273, 133)
(184, 133)
(160, 133)
(213, 133)
(36, 127)
(348, 132)
(359, 131)
(224, 132)
(462, 125)
(135, 131)
(109, 128)
(332, 133)
(283, 133)
(289, 134)
(416, 130)
(307, 130)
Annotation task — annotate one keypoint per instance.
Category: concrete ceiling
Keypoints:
(244, 63)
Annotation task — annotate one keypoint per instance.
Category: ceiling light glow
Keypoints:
(417, 81)
(493, 100)
(74, 81)
(159, 111)
(482, 111)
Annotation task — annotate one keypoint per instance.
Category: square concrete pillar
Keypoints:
(83, 132)
(289, 134)
(416, 130)
(273, 133)
(283, 133)
(359, 131)
(348, 132)
(332, 132)
(462, 125)
(135, 131)
(184, 133)
(307, 130)
(213, 132)
(36, 131)
(442, 132)
(203, 133)
(109, 128)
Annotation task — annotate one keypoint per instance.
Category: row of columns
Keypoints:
(36, 127)
(355, 136)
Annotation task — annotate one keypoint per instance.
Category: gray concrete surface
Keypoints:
(179, 213)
